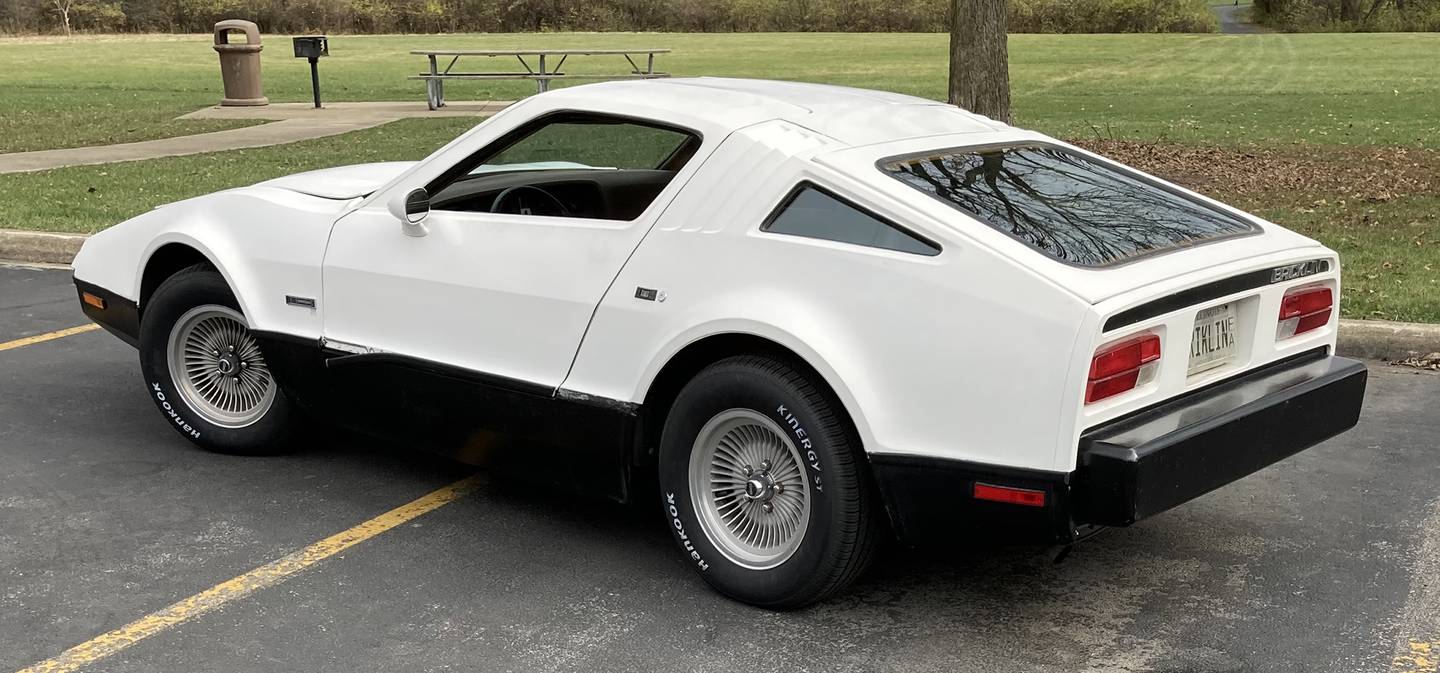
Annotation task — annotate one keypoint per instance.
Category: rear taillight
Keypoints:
(1122, 366)
(1304, 309)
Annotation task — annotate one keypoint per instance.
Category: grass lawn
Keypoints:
(1317, 102)
(86, 199)
(1327, 89)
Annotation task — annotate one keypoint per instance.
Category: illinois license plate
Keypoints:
(1213, 343)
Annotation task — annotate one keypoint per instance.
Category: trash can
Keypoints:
(240, 63)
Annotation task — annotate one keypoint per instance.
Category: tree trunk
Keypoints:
(1350, 10)
(979, 58)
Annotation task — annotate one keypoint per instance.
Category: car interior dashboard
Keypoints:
(596, 193)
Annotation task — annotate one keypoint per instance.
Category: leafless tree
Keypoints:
(980, 58)
(63, 7)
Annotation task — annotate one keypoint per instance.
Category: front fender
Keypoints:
(267, 243)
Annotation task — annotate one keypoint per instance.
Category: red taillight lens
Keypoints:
(1303, 310)
(1121, 366)
(1010, 495)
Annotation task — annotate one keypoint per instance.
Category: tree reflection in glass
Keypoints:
(1066, 205)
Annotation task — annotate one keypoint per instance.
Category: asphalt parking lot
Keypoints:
(1329, 561)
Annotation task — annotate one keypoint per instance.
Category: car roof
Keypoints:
(851, 116)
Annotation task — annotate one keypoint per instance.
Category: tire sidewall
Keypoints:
(172, 300)
(719, 390)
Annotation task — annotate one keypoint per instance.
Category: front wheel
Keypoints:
(205, 370)
(764, 486)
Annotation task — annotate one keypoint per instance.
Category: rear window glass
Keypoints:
(1065, 205)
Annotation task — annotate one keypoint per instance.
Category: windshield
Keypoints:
(1064, 204)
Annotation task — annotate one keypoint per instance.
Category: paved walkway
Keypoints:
(1233, 19)
(293, 121)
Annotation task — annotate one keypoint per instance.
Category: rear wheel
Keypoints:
(205, 370)
(763, 484)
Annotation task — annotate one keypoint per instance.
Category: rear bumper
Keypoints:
(117, 315)
(1139, 465)
(1149, 462)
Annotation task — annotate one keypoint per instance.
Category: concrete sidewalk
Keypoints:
(386, 110)
(292, 122)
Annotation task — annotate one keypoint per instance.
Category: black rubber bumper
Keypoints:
(119, 315)
(1146, 463)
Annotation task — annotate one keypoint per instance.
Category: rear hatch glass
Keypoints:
(1064, 204)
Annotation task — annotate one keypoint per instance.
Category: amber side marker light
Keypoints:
(1009, 495)
(92, 300)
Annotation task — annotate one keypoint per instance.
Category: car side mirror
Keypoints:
(411, 208)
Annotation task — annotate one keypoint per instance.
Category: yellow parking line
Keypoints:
(270, 574)
(1423, 657)
(48, 336)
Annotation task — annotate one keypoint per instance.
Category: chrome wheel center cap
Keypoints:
(226, 365)
(759, 487)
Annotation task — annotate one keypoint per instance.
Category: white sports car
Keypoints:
(802, 318)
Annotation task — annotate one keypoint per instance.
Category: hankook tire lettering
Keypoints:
(680, 530)
(170, 411)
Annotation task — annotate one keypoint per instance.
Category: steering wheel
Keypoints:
(528, 200)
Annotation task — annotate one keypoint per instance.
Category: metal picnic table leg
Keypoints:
(432, 85)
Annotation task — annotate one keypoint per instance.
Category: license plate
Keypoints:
(1213, 343)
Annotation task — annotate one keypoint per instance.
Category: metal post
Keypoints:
(315, 79)
(542, 85)
(432, 86)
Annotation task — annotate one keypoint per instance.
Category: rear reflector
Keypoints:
(1122, 366)
(92, 300)
(1304, 309)
(1009, 495)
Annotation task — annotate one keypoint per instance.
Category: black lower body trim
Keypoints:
(120, 316)
(576, 442)
(931, 501)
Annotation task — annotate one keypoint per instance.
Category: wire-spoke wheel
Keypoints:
(218, 368)
(208, 373)
(748, 483)
(763, 484)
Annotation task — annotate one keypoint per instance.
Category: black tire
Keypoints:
(844, 524)
(199, 286)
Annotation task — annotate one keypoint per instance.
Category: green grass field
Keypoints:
(1312, 99)
(1326, 89)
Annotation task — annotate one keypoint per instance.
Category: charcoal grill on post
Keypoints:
(312, 47)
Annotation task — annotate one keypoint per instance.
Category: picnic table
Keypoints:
(540, 65)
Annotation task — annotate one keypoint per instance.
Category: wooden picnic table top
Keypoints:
(533, 52)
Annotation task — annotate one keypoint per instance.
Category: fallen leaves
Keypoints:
(1370, 174)
(1431, 361)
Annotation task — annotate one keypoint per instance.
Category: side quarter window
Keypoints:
(814, 212)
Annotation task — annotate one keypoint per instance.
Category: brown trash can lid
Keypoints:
(223, 28)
